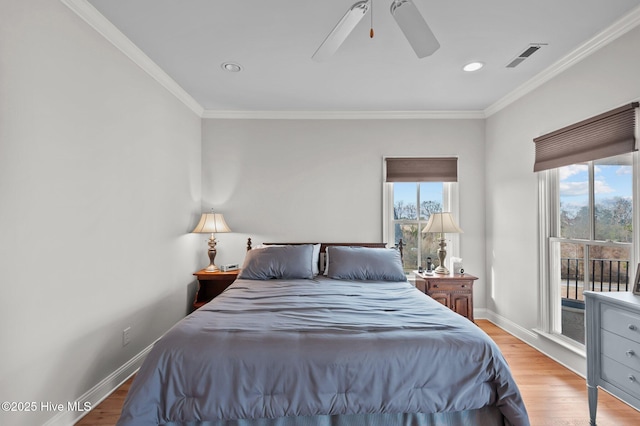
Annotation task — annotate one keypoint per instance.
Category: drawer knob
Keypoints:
(632, 327)
(630, 353)
(435, 286)
(632, 378)
(463, 286)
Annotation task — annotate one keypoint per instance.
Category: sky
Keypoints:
(610, 181)
(406, 191)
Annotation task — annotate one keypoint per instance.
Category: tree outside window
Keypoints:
(596, 231)
(408, 224)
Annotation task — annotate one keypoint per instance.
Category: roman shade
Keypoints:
(602, 136)
(431, 169)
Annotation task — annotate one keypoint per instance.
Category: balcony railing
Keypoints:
(604, 275)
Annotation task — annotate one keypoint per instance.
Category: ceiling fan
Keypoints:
(407, 16)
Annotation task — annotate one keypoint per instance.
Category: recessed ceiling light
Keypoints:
(231, 67)
(473, 66)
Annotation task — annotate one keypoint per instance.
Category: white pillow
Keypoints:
(326, 262)
(316, 259)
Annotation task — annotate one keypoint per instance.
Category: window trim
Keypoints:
(548, 223)
(450, 202)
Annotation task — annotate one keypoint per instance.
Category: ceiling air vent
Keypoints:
(530, 50)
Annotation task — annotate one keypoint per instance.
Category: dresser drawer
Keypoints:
(624, 351)
(621, 376)
(449, 285)
(621, 322)
(612, 328)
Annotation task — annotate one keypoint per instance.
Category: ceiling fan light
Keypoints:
(473, 66)
(414, 27)
(337, 36)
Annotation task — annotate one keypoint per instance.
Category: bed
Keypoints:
(292, 342)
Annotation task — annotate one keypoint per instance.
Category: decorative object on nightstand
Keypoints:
(229, 267)
(453, 291)
(211, 284)
(456, 265)
(211, 223)
(442, 223)
(429, 266)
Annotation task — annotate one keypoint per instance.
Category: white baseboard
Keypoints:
(480, 313)
(534, 340)
(511, 327)
(101, 391)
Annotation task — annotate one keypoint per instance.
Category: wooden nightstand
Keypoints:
(453, 291)
(211, 284)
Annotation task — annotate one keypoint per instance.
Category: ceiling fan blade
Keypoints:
(337, 36)
(414, 27)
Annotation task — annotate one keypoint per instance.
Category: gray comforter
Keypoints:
(267, 349)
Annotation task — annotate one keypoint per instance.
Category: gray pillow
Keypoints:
(278, 262)
(364, 263)
(315, 261)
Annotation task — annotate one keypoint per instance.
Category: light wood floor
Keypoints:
(553, 395)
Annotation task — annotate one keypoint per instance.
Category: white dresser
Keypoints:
(613, 347)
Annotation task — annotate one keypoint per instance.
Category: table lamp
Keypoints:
(211, 223)
(442, 223)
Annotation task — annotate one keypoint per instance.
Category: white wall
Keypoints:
(321, 180)
(100, 181)
(603, 81)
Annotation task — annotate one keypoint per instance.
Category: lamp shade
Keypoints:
(211, 223)
(442, 223)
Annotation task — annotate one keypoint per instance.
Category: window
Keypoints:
(408, 220)
(596, 199)
(594, 245)
(409, 200)
(587, 211)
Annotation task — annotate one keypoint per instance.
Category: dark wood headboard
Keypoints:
(323, 246)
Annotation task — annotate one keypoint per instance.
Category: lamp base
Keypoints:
(441, 270)
(212, 255)
(442, 255)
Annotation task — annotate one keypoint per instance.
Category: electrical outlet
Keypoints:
(126, 336)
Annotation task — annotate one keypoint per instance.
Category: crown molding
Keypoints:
(616, 30)
(343, 115)
(102, 25)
